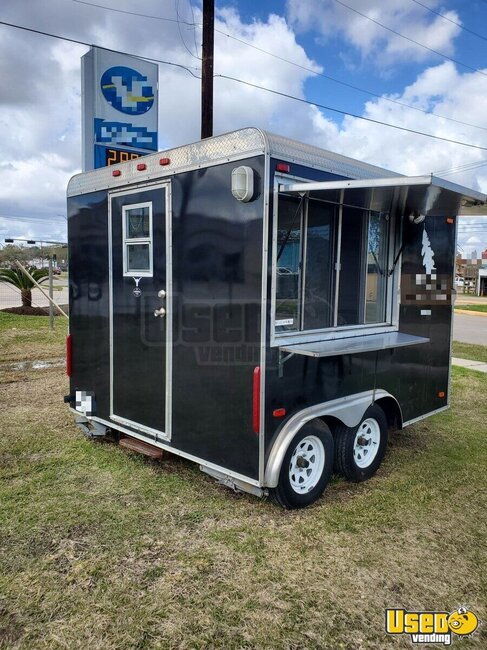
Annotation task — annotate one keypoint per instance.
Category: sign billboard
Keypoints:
(119, 107)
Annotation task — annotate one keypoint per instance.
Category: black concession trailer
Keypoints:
(260, 306)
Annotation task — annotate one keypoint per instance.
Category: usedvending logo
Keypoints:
(432, 627)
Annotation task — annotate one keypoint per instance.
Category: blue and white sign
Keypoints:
(120, 108)
(127, 90)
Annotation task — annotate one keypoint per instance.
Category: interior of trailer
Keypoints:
(337, 259)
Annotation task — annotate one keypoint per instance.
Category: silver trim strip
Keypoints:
(426, 415)
(263, 314)
(172, 450)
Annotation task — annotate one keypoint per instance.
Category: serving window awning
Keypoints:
(426, 195)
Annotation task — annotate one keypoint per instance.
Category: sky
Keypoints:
(417, 64)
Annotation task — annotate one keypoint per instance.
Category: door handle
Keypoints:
(159, 312)
(161, 294)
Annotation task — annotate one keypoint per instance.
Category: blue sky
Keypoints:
(40, 101)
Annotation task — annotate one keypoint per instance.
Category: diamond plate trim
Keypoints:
(222, 148)
(310, 156)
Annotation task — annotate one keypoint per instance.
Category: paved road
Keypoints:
(466, 328)
(470, 329)
(10, 296)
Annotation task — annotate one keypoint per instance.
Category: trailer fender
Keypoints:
(349, 410)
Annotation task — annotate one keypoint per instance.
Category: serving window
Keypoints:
(331, 266)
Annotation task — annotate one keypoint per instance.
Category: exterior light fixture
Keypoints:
(243, 183)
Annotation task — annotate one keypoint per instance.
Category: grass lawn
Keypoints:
(482, 308)
(100, 548)
(29, 337)
(470, 351)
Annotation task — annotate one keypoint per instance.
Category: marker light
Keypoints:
(279, 413)
(256, 400)
(116, 172)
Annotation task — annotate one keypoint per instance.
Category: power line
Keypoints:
(461, 168)
(247, 83)
(176, 7)
(108, 49)
(358, 117)
(411, 40)
(293, 63)
(19, 217)
(438, 13)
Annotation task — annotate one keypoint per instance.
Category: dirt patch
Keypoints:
(34, 311)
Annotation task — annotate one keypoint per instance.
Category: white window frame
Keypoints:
(126, 241)
(391, 324)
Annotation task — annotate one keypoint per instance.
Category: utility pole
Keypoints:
(207, 69)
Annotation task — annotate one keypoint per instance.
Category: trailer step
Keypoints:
(141, 447)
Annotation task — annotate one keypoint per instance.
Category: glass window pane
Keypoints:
(319, 277)
(288, 269)
(377, 254)
(138, 257)
(137, 223)
(352, 288)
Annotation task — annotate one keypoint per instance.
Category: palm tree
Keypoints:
(23, 283)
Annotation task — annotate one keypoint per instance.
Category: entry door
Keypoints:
(140, 319)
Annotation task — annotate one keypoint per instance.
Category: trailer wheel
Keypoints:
(306, 468)
(359, 450)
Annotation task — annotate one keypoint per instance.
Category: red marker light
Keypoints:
(116, 172)
(256, 400)
(141, 167)
(450, 220)
(283, 167)
(164, 161)
(69, 355)
(441, 393)
(279, 413)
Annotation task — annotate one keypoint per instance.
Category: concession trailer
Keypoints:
(263, 307)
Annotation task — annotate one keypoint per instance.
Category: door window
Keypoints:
(137, 240)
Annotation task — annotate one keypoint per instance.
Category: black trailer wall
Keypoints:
(217, 280)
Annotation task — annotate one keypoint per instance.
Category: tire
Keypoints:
(306, 468)
(359, 450)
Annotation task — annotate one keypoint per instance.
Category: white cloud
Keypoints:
(329, 19)
(40, 102)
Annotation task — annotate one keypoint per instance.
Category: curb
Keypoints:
(470, 312)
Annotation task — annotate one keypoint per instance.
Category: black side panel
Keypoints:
(88, 296)
(217, 274)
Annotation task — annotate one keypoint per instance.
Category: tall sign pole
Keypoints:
(207, 69)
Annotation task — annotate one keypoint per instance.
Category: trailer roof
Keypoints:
(229, 146)
(244, 143)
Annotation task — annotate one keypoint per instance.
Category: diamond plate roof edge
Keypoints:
(228, 146)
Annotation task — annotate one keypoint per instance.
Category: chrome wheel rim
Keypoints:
(306, 464)
(366, 443)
